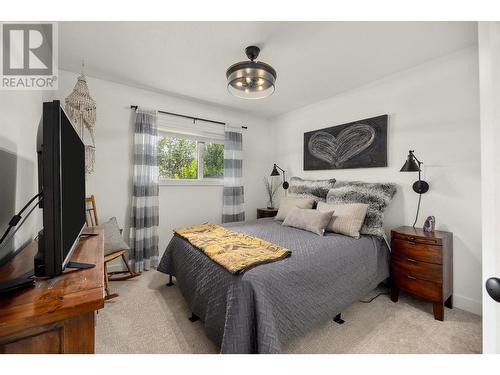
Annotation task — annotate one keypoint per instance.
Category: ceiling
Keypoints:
(314, 60)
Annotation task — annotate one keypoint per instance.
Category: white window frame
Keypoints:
(201, 139)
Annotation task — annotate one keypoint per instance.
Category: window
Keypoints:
(190, 152)
(187, 158)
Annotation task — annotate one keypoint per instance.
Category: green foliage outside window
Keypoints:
(177, 159)
(213, 160)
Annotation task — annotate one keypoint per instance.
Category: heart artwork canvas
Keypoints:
(358, 144)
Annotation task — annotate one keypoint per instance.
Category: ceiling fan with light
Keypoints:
(251, 79)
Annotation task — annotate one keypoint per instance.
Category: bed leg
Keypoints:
(193, 318)
(170, 282)
(338, 319)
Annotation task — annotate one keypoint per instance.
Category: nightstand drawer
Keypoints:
(420, 270)
(417, 251)
(417, 239)
(421, 288)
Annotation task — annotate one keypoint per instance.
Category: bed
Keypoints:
(263, 308)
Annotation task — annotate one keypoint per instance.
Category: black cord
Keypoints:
(373, 298)
(17, 218)
(30, 201)
(418, 209)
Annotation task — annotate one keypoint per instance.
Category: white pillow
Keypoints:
(347, 218)
(287, 203)
(308, 219)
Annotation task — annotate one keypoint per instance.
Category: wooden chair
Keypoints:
(92, 220)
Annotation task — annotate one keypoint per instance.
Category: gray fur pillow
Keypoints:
(316, 189)
(376, 195)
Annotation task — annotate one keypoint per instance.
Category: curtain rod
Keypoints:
(134, 107)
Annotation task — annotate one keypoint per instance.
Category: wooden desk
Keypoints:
(56, 315)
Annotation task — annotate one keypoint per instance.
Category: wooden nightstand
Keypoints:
(422, 265)
(266, 212)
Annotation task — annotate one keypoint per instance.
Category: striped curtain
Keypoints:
(232, 208)
(144, 215)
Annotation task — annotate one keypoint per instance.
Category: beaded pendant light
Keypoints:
(81, 109)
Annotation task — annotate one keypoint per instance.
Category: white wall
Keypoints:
(434, 110)
(179, 205)
(489, 68)
(20, 114)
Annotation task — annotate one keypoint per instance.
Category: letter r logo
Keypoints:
(27, 49)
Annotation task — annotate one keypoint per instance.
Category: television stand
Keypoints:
(57, 315)
(79, 265)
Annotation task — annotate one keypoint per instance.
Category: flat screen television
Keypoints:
(61, 179)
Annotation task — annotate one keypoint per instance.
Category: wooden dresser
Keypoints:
(56, 315)
(422, 265)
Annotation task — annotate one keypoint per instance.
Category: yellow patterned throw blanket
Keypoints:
(236, 252)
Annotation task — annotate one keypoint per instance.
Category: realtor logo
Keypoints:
(29, 56)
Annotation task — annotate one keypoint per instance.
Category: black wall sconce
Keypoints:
(275, 172)
(420, 187)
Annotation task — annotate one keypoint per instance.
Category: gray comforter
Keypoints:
(261, 309)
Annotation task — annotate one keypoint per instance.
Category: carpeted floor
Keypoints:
(149, 317)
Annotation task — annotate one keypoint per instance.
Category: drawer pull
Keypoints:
(411, 277)
(411, 260)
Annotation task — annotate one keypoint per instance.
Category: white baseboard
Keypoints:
(467, 304)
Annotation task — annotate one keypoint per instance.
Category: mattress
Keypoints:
(263, 308)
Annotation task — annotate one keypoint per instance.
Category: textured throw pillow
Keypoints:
(308, 219)
(316, 189)
(347, 218)
(113, 240)
(376, 195)
(288, 203)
